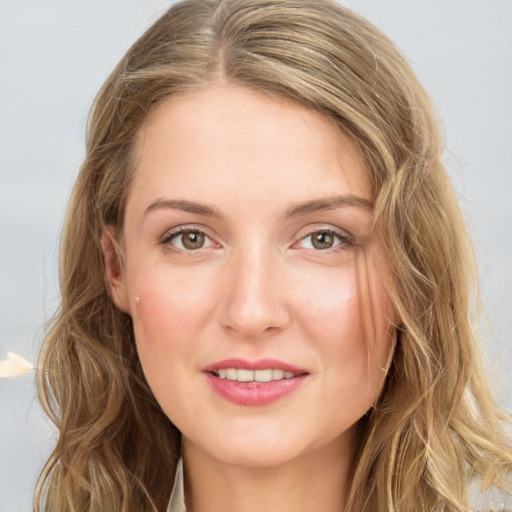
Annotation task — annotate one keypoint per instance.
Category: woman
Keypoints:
(266, 281)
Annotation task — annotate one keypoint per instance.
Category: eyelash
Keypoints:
(343, 239)
(179, 231)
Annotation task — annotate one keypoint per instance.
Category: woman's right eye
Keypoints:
(187, 240)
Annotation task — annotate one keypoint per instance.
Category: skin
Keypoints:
(273, 173)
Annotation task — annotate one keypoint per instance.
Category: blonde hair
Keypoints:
(435, 427)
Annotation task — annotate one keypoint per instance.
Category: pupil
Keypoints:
(193, 240)
(323, 240)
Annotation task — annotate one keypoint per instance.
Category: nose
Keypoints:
(254, 301)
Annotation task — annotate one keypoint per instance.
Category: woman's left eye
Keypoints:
(323, 239)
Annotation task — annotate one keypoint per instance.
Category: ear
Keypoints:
(114, 274)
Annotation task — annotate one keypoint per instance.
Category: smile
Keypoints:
(254, 383)
(242, 375)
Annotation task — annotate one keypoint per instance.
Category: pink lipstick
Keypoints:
(254, 383)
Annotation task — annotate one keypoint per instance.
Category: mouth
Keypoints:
(242, 375)
(254, 383)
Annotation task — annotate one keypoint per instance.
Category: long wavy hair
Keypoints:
(435, 427)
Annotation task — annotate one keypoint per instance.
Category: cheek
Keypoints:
(330, 308)
(173, 310)
(170, 302)
(346, 314)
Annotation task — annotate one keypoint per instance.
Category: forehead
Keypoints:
(239, 141)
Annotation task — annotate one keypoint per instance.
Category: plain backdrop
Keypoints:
(54, 55)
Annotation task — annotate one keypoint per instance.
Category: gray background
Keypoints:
(54, 55)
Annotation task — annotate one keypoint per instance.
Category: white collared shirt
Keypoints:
(177, 501)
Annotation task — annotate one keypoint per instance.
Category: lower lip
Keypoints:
(254, 393)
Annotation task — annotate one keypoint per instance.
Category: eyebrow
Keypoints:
(329, 203)
(321, 204)
(184, 205)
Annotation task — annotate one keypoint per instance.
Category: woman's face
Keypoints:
(250, 273)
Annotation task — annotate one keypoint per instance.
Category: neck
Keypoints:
(311, 482)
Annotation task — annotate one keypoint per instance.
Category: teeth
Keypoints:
(244, 375)
(267, 375)
(277, 374)
(263, 375)
(231, 374)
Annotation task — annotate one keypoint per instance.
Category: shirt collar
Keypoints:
(177, 501)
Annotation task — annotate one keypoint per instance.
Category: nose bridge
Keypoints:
(254, 302)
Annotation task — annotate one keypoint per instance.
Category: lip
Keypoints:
(254, 394)
(260, 364)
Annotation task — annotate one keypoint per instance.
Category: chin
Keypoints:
(257, 457)
(258, 447)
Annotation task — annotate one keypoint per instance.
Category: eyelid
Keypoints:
(343, 235)
(171, 233)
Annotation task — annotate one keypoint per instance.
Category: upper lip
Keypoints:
(259, 364)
